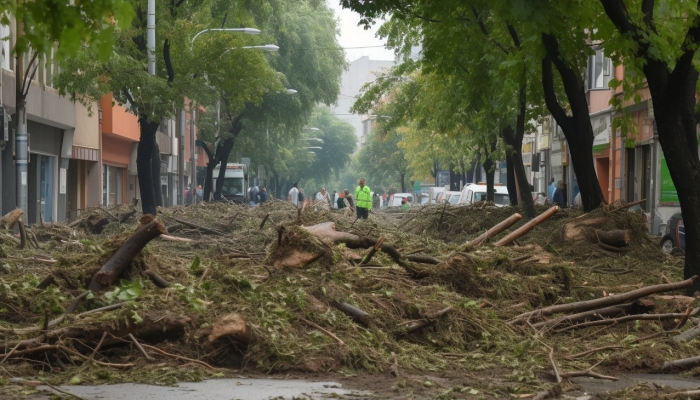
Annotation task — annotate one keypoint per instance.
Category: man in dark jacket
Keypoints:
(559, 197)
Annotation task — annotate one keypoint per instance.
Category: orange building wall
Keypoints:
(118, 121)
(115, 151)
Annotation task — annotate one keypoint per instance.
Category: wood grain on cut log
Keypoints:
(353, 312)
(121, 259)
(575, 231)
(616, 238)
(498, 228)
(604, 301)
(527, 227)
(231, 326)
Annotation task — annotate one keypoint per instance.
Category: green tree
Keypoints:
(382, 162)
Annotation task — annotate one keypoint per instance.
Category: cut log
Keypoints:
(617, 238)
(688, 335)
(22, 233)
(353, 312)
(604, 301)
(10, 219)
(121, 259)
(174, 228)
(96, 224)
(232, 326)
(201, 228)
(527, 227)
(46, 282)
(498, 228)
(422, 258)
(428, 320)
(682, 364)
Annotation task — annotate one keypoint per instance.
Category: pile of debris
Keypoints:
(275, 288)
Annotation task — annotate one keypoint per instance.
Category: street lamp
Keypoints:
(312, 129)
(248, 31)
(314, 139)
(291, 91)
(315, 147)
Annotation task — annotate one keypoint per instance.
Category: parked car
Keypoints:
(674, 235)
(473, 193)
(434, 193)
(451, 197)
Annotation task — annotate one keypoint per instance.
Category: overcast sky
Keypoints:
(352, 35)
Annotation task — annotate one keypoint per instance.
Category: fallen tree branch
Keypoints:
(262, 224)
(157, 280)
(176, 239)
(612, 311)
(637, 317)
(495, 230)
(591, 351)
(604, 301)
(688, 335)
(138, 346)
(615, 238)
(527, 227)
(353, 312)
(371, 252)
(121, 259)
(126, 216)
(22, 233)
(161, 352)
(201, 228)
(628, 205)
(101, 309)
(682, 364)
(554, 365)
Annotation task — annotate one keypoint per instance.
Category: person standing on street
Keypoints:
(323, 199)
(363, 199)
(341, 201)
(293, 196)
(200, 193)
(263, 194)
(559, 197)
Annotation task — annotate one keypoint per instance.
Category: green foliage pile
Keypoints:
(215, 276)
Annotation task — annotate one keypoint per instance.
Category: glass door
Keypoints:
(46, 197)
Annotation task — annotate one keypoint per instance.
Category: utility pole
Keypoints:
(193, 148)
(151, 40)
(21, 138)
(181, 158)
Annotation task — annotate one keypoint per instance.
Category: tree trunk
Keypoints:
(488, 166)
(144, 166)
(510, 181)
(577, 127)
(222, 156)
(516, 143)
(403, 185)
(155, 171)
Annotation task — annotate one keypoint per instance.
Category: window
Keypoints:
(111, 185)
(599, 70)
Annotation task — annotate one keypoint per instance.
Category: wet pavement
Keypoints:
(654, 381)
(223, 389)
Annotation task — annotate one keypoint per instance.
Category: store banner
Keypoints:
(601, 132)
(668, 189)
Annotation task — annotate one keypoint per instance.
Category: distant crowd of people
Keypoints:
(360, 202)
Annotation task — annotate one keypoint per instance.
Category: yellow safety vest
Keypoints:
(363, 197)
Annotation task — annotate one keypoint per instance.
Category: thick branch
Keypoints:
(514, 35)
(648, 11)
(550, 96)
(168, 62)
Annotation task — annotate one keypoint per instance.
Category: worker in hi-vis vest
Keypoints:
(363, 199)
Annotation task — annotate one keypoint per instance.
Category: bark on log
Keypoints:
(121, 259)
(373, 250)
(613, 248)
(46, 282)
(157, 280)
(262, 224)
(605, 301)
(628, 318)
(498, 228)
(353, 312)
(428, 320)
(96, 224)
(174, 228)
(527, 227)
(422, 258)
(682, 364)
(201, 228)
(22, 233)
(628, 205)
(617, 238)
(688, 335)
(126, 216)
(10, 219)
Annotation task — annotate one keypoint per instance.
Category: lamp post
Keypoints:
(314, 139)
(247, 31)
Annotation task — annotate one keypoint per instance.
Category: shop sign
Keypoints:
(601, 132)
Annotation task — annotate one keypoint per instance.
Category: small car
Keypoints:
(674, 235)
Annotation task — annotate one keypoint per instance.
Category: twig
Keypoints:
(554, 365)
(105, 364)
(138, 346)
(105, 308)
(329, 334)
(587, 352)
(683, 320)
(161, 352)
(176, 239)
(589, 372)
(11, 352)
(637, 317)
(109, 213)
(394, 369)
(99, 344)
(262, 224)
(201, 228)
(62, 391)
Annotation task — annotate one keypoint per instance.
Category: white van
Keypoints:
(235, 187)
(473, 193)
(433, 194)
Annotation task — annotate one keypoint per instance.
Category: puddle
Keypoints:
(223, 389)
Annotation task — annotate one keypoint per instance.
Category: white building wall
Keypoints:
(361, 71)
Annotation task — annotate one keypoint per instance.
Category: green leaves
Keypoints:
(127, 290)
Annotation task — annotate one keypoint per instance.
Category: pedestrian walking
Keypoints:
(363, 198)
(293, 196)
